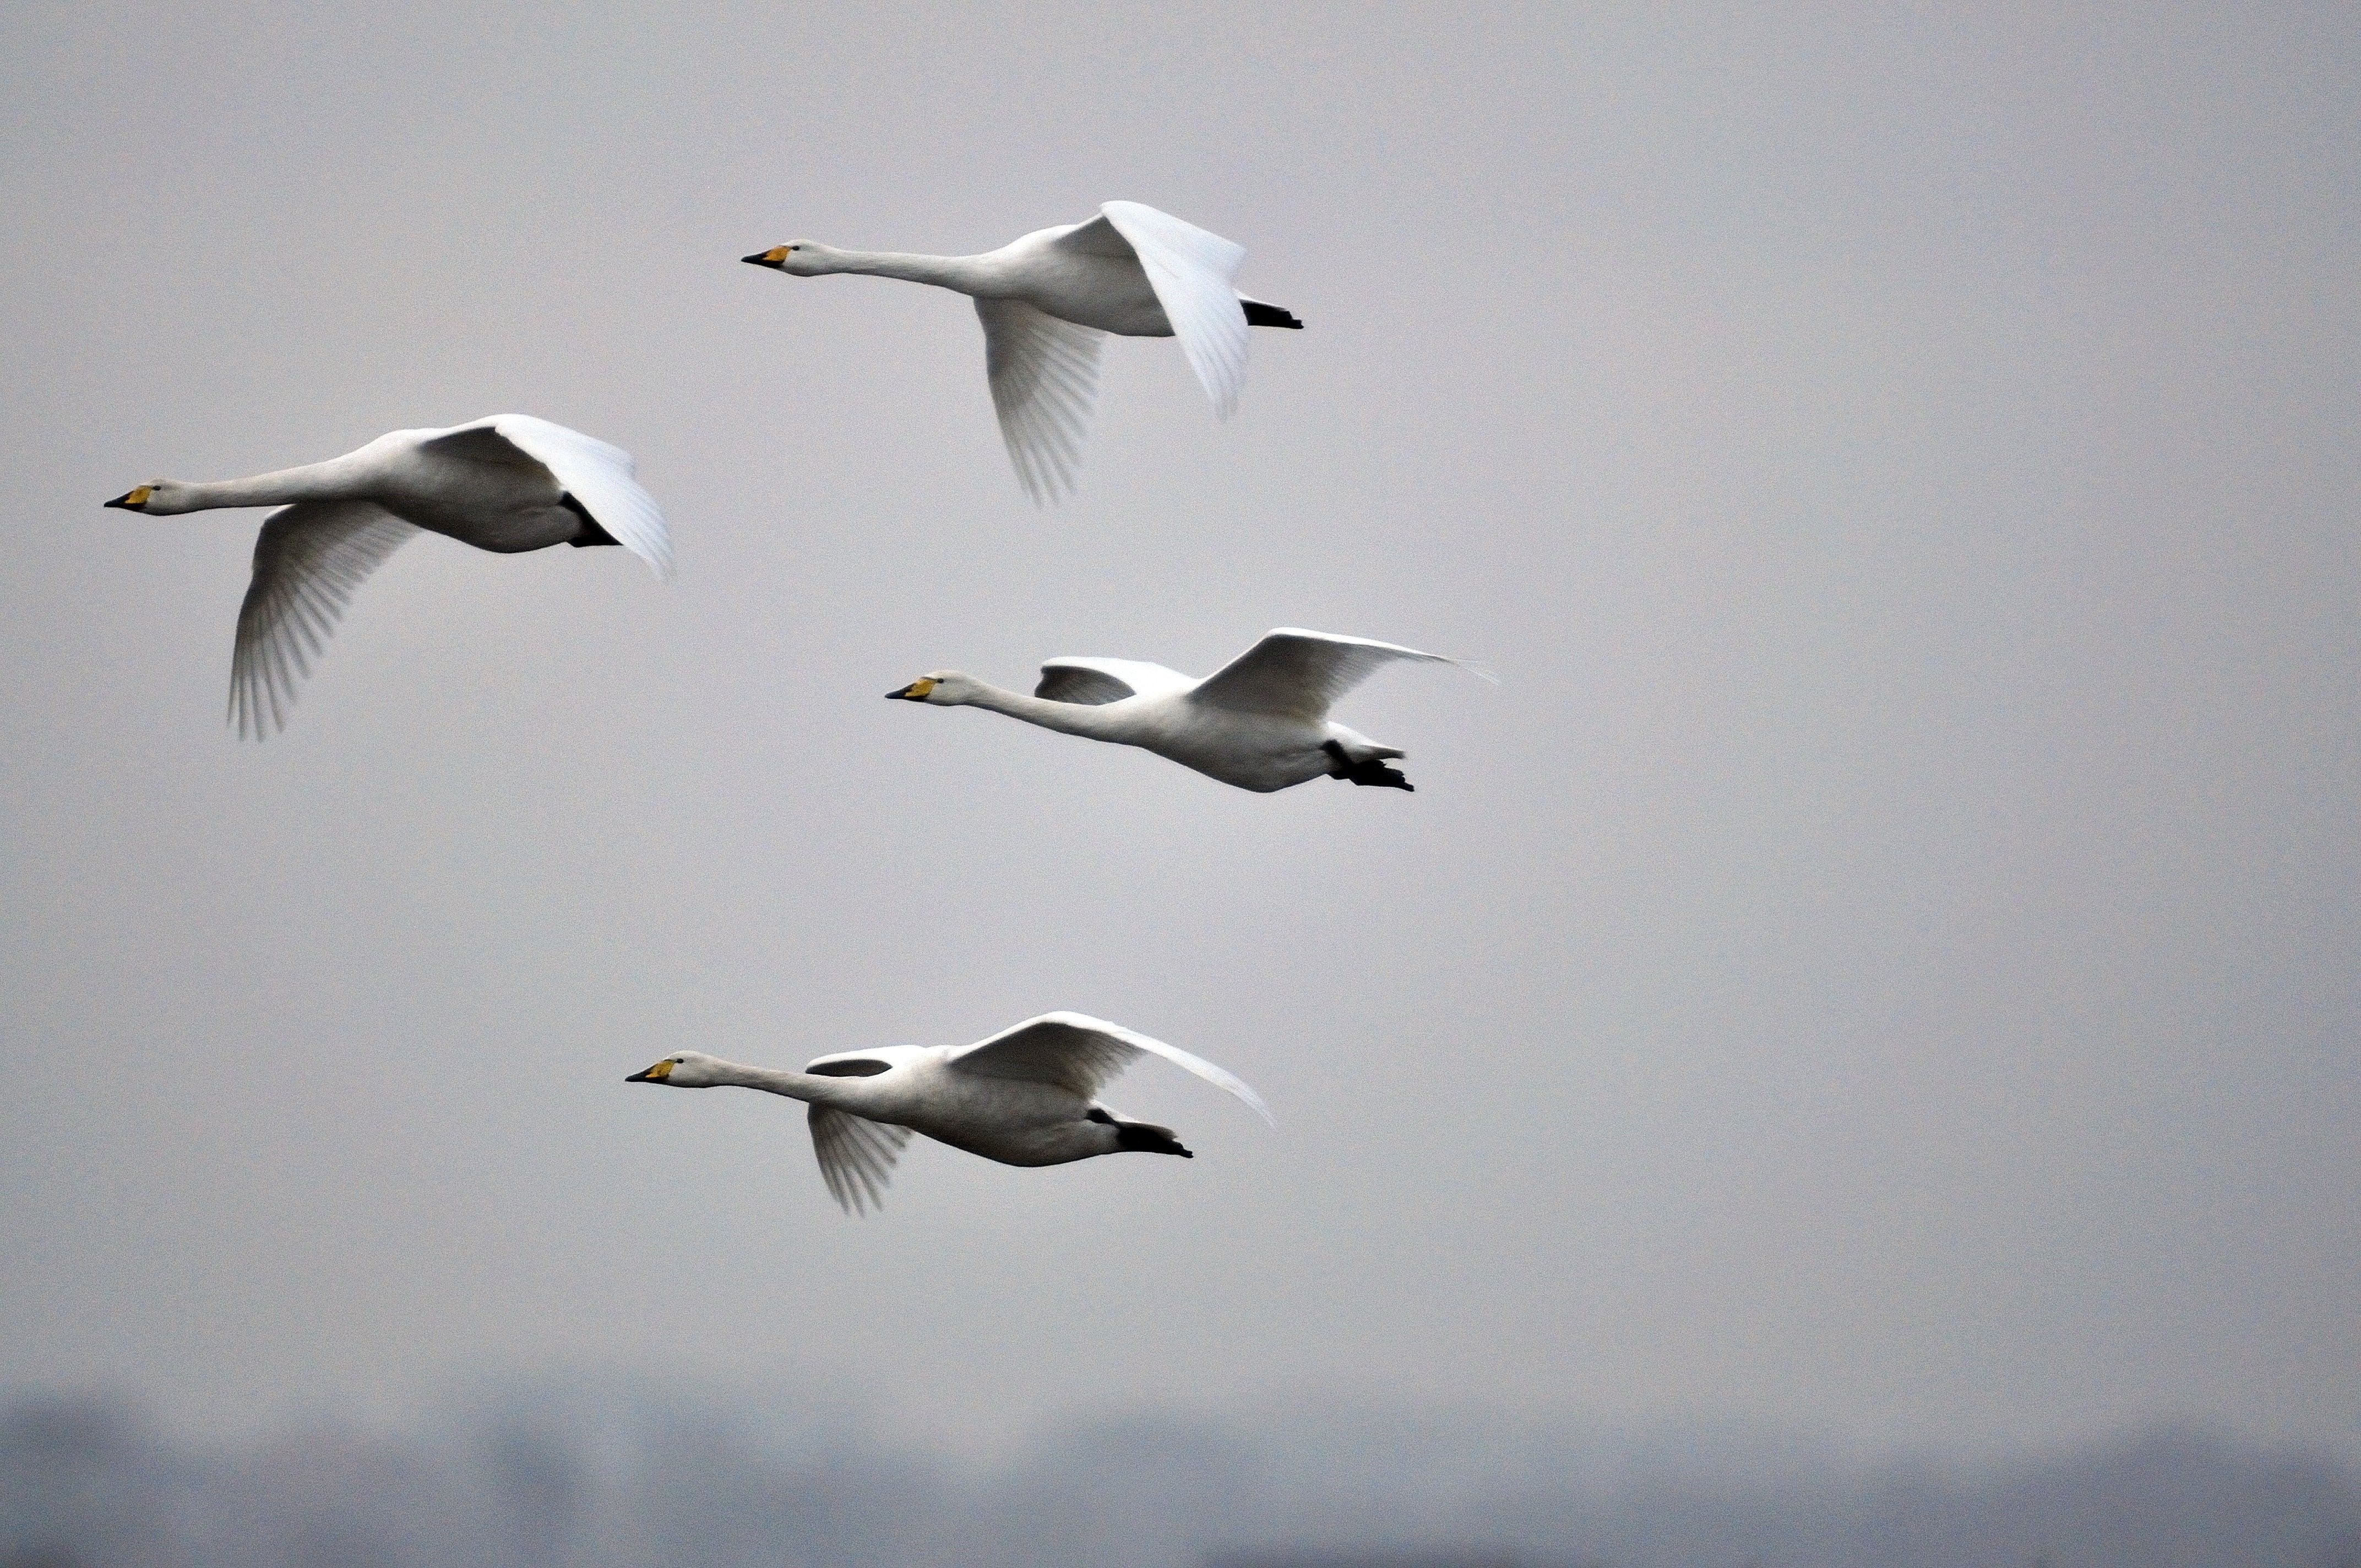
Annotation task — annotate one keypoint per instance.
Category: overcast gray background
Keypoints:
(1883, 963)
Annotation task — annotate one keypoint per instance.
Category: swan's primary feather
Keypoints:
(308, 559)
(856, 1155)
(1045, 378)
(1191, 272)
(1081, 1053)
(593, 472)
(1096, 682)
(1299, 674)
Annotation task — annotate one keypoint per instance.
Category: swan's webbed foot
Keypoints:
(1138, 1138)
(1373, 774)
(592, 534)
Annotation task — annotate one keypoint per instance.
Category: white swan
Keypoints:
(1026, 1096)
(1259, 722)
(1047, 301)
(508, 483)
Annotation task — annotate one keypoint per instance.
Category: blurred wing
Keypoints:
(1298, 674)
(1191, 271)
(1081, 1054)
(1045, 379)
(856, 1156)
(1096, 681)
(308, 560)
(593, 472)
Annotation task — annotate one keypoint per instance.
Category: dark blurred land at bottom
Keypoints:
(570, 1479)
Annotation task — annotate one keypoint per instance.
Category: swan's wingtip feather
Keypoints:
(1074, 1020)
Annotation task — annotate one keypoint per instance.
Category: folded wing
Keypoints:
(1299, 675)
(1081, 1053)
(1094, 682)
(856, 1156)
(1045, 379)
(592, 472)
(308, 560)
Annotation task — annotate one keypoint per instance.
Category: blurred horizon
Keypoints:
(796, 1407)
(569, 1474)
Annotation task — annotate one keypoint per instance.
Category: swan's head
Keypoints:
(944, 688)
(682, 1069)
(161, 498)
(802, 258)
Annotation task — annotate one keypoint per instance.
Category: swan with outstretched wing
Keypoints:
(1026, 1096)
(1050, 300)
(1259, 722)
(507, 483)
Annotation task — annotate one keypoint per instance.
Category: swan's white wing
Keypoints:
(308, 560)
(597, 474)
(1045, 378)
(1081, 1054)
(849, 1064)
(1191, 271)
(856, 1156)
(1097, 681)
(1297, 674)
(1070, 681)
(1093, 237)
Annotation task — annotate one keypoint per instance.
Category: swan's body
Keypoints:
(507, 483)
(1046, 301)
(1260, 722)
(1025, 1096)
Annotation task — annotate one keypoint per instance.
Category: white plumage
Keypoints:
(1048, 301)
(1026, 1096)
(1259, 722)
(507, 483)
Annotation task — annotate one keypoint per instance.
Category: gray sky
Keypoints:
(1883, 961)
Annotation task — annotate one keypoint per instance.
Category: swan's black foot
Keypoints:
(591, 532)
(1140, 1137)
(1374, 772)
(1260, 315)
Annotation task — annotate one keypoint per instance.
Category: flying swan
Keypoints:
(1259, 722)
(507, 483)
(1026, 1096)
(1047, 301)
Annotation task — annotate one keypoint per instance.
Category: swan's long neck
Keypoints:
(804, 1085)
(1066, 717)
(328, 481)
(964, 273)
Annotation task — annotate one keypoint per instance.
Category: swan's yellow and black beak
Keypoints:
(134, 500)
(915, 692)
(655, 1074)
(775, 256)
